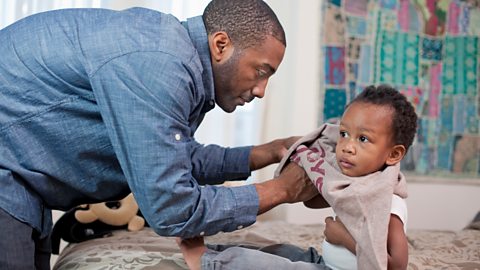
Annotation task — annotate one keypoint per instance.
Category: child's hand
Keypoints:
(336, 233)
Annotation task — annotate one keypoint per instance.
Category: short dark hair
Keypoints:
(247, 22)
(404, 122)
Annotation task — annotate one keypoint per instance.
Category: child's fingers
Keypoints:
(329, 219)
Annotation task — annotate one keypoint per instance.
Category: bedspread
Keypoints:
(146, 250)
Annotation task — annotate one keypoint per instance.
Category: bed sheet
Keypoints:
(146, 250)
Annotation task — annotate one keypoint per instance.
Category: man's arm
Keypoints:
(146, 116)
(397, 245)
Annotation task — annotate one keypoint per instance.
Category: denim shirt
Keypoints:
(96, 103)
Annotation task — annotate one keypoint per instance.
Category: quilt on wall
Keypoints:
(427, 49)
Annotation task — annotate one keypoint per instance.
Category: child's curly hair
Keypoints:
(404, 122)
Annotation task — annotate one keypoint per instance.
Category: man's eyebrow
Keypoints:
(269, 68)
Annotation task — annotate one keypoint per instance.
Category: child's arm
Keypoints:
(397, 245)
(336, 233)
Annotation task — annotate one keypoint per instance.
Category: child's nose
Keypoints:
(349, 148)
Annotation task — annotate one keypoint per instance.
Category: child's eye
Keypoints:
(363, 139)
(343, 134)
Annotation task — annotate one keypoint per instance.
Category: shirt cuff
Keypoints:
(247, 205)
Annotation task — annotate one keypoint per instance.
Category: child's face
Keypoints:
(365, 141)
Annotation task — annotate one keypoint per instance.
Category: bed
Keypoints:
(145, 250)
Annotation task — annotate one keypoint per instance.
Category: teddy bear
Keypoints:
(90, 221)
(116, 213)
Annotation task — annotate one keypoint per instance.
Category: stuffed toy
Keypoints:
(113, 213)
(91, 221)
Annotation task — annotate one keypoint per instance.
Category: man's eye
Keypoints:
(261, 72)
(363, 139)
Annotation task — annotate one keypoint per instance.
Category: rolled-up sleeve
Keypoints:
(213, 164)
(146, 100)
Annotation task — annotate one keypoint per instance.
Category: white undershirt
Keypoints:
(340, 258)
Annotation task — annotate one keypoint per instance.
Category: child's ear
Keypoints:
(396, 154)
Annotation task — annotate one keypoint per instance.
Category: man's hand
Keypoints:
(291, 186)
(336, 233)
(297, 184)
(285, 144)
(270, 153)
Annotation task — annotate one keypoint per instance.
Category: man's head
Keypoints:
(247, 44)
(376, 130)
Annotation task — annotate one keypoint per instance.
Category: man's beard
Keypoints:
(225, 74)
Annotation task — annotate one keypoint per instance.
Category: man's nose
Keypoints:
(259, 90)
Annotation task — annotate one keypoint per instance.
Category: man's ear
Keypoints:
(221, 46)
(396, 154)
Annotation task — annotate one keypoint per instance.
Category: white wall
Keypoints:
(292, 99)
(442, 206)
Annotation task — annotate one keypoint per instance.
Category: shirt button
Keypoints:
(240, 227)
(211, 102)
(202, 233)
(178, 137)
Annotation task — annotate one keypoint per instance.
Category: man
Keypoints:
(97, 103)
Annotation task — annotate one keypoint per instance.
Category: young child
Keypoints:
(364, 152)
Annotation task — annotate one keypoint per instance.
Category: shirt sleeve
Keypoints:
(399, 208)
(145, 100)
(213, 164)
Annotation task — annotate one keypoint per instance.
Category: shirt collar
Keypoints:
(198, 35)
